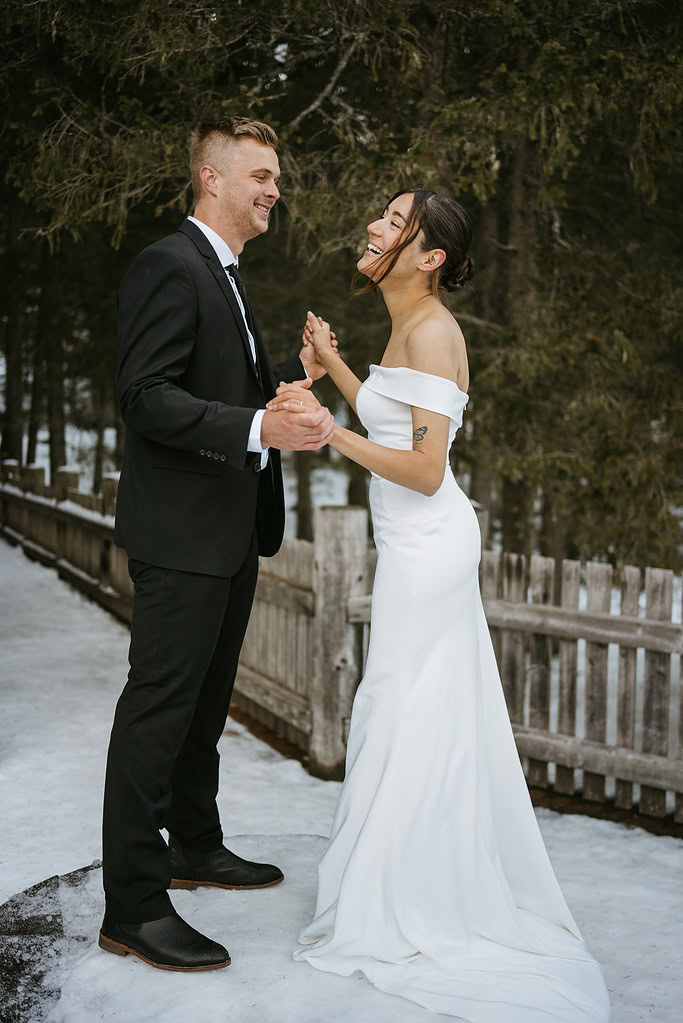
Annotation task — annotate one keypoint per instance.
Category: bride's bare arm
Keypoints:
(421, 469)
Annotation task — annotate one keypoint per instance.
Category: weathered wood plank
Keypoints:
(284, 594)
(565, 624)
(283, 703)
(566, 717)
(595, 627)
(293, 563)
(491, 588)
(599, 587)
(542, 577)
(626, 696)
(656, 685)
(513, 643)
(341, 571)
(600, 760)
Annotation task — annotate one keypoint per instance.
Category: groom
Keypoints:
(200, 497)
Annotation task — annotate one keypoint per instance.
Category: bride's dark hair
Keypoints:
(445, 225)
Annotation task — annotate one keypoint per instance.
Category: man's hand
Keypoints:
(312, 365)
(295, 397)
(297, 431)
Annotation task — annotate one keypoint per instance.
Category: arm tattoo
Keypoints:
(419, 434)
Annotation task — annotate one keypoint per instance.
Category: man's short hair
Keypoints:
(208, 136)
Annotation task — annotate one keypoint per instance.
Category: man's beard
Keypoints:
(247, 224)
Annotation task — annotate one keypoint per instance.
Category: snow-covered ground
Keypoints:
(62, 664)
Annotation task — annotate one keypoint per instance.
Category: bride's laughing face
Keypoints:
(384, 234)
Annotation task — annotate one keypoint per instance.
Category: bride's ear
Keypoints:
(432, 260)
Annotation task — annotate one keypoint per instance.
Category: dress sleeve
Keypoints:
(422, 390)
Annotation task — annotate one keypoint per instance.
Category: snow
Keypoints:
(87, 513)
(63, 664)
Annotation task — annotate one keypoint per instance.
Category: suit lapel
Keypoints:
(213, 263)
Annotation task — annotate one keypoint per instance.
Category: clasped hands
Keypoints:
(295, 420)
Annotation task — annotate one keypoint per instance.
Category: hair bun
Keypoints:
(459, 276)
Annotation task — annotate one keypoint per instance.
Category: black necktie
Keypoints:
(242, 292)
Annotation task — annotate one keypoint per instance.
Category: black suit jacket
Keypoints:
(190, 494)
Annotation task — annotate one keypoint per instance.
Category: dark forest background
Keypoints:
(557, 125)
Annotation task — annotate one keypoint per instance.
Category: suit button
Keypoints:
(209, 453)
(216, 455)
(202, 451)
(257, 466)
(224, 458)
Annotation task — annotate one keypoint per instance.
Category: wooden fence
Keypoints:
(594, 695)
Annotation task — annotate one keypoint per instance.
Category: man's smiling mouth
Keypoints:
(264, 209)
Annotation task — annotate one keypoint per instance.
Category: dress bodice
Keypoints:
(384, 403)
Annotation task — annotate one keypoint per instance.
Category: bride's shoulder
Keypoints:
(436, 345)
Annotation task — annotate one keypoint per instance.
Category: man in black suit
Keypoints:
(200, 497)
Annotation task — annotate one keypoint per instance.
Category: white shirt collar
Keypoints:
(221, 248)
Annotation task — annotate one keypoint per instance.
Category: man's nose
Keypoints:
(273, 191)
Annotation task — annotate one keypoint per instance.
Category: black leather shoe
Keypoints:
(218, 869)
(168, 944)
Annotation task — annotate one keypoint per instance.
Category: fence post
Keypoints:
(110, 486)
(34, 477)
(599, 587)
(513, 643)
(626, 698)
(658, 601)
(340, 571)
(540, 661)
(66, 479)
(11, 470)
(566, 717)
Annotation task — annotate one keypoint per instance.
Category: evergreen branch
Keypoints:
(341, 65)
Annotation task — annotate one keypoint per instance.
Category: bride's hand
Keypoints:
(294, 397)
(321, 338)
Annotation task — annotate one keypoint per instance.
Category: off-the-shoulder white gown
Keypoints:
(436, 884)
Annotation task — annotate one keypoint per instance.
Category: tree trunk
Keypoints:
(37, 411)
(12, 426)
(553, 538)
(517, 498)
(487, 255)
(100, 423)
(481, 486)
(516, 516)
(357, 492)
(522, 239)
(304, 505)
(51, 337)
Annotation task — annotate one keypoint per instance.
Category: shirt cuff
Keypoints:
(254, 443)
(308, 375)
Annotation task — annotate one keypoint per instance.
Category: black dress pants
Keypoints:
(162, 767)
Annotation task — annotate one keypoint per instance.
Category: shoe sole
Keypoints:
(177, 882)
(109, 945)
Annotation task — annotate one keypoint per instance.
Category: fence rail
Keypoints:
(591, 713)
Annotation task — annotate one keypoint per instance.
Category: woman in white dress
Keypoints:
(436, 884)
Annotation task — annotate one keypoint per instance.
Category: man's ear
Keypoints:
(432, 260)
(209, 176)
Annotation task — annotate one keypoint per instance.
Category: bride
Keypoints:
(435, 884)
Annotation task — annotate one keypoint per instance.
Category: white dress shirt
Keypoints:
(226, 258)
